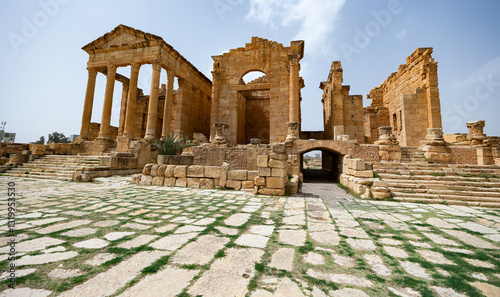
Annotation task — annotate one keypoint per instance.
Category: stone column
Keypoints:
(153, 102)
(88, 104)
(123, 109)
(108, 104)
(214, 108)
(476, 135)
(169, 102)
(293, 130)
(294, 104)
(131, 101)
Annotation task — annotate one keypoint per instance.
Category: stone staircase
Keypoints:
(411, 154)
(57, 167)
(457, 184)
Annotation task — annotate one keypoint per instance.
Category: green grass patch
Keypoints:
(153, 268)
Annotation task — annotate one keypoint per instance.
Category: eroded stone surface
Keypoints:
(46, 258)
(283, 259)
(201, 251)
(156, 284)
(116, 277)
(292, 237)
(235, 271)
(94, 243)
(99, 259)
(64, 273)
(172, 242)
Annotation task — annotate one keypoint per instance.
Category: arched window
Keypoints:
(254, 76)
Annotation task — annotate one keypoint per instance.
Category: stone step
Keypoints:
(449, 202)
(382, 165)
(457, 186)
(490, 173)
(41, 170)
(447, 192)
(39, 177)
(445, 197)
(449, 178)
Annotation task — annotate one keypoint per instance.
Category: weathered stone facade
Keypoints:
(342, 113)
(408, 101)
(263, 107)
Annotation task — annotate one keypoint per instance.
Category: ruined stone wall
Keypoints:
(343, 113)
(95, 128)
(463, 154)
(408, 100)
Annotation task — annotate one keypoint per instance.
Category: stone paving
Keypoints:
(111, 238)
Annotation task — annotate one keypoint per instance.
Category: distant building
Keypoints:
(73, 137)
(7, 137)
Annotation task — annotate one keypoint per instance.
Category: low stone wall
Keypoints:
(358, 176)
(463, 154)
(196, 176)
(270, 177)
(367, 152)
(12, 148)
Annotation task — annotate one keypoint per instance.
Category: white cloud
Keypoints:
(401, 34)
(315, 17)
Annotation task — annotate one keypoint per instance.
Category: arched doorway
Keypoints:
(321, 165)
(254, 102)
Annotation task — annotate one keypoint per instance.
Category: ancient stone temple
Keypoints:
(248, 131)
(184, 111)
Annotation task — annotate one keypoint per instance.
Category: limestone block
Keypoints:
(147, 169)
(146, 180)
(169, 171)
(264, 171)
(281, 157)
(357, 164)
(212, 171)
(193, 182)
(252, 174)
(291, 187)
(237, 175)
(181, 182)
(180, 171)
(206, 183)
(380, 193)
(262, 160)
(364, 173)
(161, 170)
(169, 181)
(157, 181)
(233, 184)
(260, 181)
(195, 171)
(278, 172)
(268, 191)
(154, 170)
(135, 178)
(248, 184)
(279, 148)
(275, 182)
(277, 164)
(223, 175)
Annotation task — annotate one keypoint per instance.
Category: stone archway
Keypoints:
(331, 166)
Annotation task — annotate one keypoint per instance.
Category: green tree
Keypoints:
(57, 137)
(41, 140)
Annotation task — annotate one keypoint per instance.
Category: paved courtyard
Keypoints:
(111, 238)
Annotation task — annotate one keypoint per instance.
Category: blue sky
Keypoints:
(44, 72)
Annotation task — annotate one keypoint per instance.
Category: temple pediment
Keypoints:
(123, 37)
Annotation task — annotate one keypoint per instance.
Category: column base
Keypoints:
(292, 137)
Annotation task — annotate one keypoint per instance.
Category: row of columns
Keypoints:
(128, 106)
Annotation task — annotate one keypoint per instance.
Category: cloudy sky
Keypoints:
(44, 74)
